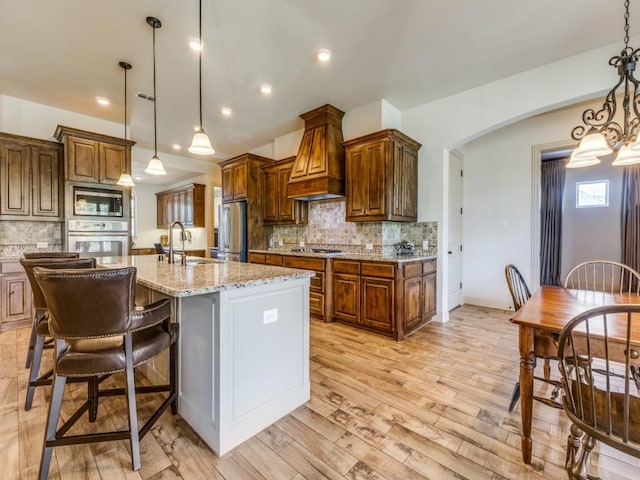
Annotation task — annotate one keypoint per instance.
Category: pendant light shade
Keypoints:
(627, 156)
(575, 162)
(125, 179)
(155, 166)
(200, 145)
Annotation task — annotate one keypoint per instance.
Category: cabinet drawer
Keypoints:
(317, 282)
(412, 269)
(11, 267)
(346, 266)
(316, 304)
(378, 269)
(273, 259)
(305, 263)
(430, 266)
(257, 257)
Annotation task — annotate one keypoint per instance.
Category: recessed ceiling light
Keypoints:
(196, 128)
(265, 89)
(195, 44)
(103, 101)
(137, 178)
(176, 146)
(226, 111)
(323, 55)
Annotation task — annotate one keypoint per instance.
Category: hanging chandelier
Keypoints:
(601, 134)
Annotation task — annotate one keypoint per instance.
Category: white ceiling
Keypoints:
(64, 53)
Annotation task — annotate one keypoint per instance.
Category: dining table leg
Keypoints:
(527, 365)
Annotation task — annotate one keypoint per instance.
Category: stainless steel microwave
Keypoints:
(97, 202)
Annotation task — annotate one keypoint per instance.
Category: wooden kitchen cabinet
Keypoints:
(279, 209)
(235, 181)
(15, 296)
(94, 158)
(184, 204)
(391, 298)
(30, 178)
(381, 177)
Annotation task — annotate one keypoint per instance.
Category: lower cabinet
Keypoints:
(15, 296)
(391, 298)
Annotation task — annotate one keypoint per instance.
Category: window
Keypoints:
(592, 194)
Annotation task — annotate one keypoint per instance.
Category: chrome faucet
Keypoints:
(170, 257)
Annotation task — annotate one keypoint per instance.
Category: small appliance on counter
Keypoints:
(405, 248)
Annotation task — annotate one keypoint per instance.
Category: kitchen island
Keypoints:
(244, 341)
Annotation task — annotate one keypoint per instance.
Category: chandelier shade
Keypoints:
(575, 162)
(602, 132)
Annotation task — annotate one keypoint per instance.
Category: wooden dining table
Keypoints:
(548, 310)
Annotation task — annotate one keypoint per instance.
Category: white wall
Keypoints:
(497, 220)
(450, 122)
(591, 233)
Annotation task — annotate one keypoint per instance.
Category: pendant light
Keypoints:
(200, 145)
(125, 179)
(155, 167)
(601, 133)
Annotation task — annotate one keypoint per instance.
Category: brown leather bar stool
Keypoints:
(98, 331)
(40, 327)
(34, 255)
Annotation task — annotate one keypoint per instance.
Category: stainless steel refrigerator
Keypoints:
(232, 231)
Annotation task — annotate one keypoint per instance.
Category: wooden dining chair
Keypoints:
(544, 344)
(603, 276)
(604, 404)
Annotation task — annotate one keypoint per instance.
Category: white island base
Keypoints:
(243, 358)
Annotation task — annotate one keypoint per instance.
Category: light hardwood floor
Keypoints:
(434, 406)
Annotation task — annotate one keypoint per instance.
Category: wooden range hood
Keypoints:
(318, 172)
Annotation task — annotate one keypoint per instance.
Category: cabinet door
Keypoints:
(227, 183)
(187, 205)
(14, 179)
(429, 295)
(346, 297)
(271, 195)
(16, 298)
(45, 178)
(378, 303)
(162, 207)
(83, 164)
(374, 178)
(413, 302)
(355, 186)
(240, 181)
(286, 206)
(112, 163)
(405, 183)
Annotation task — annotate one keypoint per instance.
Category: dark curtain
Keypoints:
(631, 216)
(552, 183)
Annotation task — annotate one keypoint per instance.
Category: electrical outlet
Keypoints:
(425, 244)
(270, 316)
(280, 243)
(369, 246)
(42, 245)
(301, 244)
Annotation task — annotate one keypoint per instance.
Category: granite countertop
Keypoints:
(353, 256)
(201, 276)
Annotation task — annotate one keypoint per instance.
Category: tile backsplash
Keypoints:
(327, 228)
(17, 237)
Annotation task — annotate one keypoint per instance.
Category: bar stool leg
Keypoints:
(35, 368)
(32, 344)
(173, 376)
(92, 395)
(131, 403)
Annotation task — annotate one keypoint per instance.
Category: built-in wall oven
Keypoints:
(98, 238)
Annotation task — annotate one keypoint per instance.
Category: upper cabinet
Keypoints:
(94, 158)
(183, 204)
(279, 209)
(235, 181)
(382, 177)
(30, 178)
